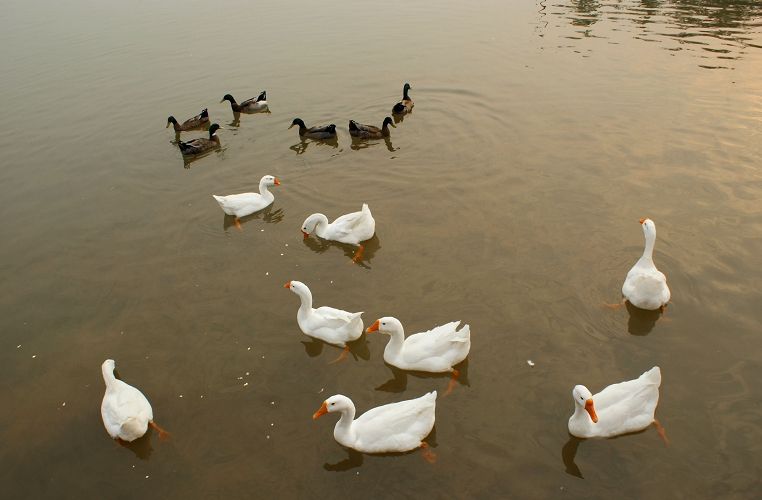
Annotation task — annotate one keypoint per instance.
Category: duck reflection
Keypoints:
(357, 348)
(568, 452)
(369, 249)
(189, 159)
(642, 321)
(301, 146)
(236, 121)
(358, 144)
(268, 215)
(398, 382)
(399, 118)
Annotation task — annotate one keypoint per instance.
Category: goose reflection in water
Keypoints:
(268, 215)
(301, 146)
(355, 458)
(642, 321)
(357, 348)
(398, 382)
(141, 446)
(358, 144)
(369, 249)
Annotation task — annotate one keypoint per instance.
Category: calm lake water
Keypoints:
(509, 199)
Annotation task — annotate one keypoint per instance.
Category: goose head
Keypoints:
(584, 399)
(269, 180)
(649, 228)
(386, 325)
(108, 366)
(297, 287)
(310, 223)
(334, 403)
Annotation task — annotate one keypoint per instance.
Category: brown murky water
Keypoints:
(508, 199)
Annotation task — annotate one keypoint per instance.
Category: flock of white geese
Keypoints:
(402, 426)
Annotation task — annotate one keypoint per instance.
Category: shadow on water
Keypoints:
(268, 215)
(642, 321)
(303, 143)
(358, 144)
(369, 248)
(568, 452)
(355, 458)
(141, 447)
(357, 348)
(398, 382)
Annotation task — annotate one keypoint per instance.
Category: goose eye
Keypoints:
(333, 404)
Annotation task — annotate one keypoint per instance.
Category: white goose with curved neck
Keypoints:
(331, 325)
(645, 286)
(125, 411)
(245, 204)
(350, 228)
(395, 427)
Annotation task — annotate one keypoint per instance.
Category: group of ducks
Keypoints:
(399, 427)
(259, 104)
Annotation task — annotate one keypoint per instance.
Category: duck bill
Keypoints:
(372, 328)
(306, 235)
(276, 181)
(168, 124)
(591, 410)
(641, 220)
(290, 126)
(322, 411)
(287, 285)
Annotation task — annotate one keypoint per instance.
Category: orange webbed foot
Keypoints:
(163, 435)
(428, 455)
(614, 306)
(238, 224)
(342, 355)
(358, 253)
(453, 380)
(660, 430)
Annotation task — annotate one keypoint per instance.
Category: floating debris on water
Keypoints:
(530, 362)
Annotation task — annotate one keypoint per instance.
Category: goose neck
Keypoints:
(343, 430)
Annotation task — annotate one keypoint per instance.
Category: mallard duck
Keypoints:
(436, 350)
(396, 427)
(618, 409)
(330, 325)
(125, 411)
(645, 286)
(201, 144)
(254, 104)
(195, 122)
(369, 131)
(351, 228)
(406, 104)
(320, 133)
(241, 205)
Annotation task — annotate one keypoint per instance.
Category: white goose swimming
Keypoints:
(396, 427)
(125, 411)
(351, 228)
(436, 350)
(330, 325)
(618, 409)
(645, 286)
(241, 205)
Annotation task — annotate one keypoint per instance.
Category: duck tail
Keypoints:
(184, 146)
(332, 128)
(353, 125)
(204, 113)
(262, 96)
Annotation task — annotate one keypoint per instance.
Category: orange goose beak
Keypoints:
(591, 410)
(322, 411)
(372, 328)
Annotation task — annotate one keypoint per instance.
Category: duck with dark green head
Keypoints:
(320, 133)
(406, 104)
(197, 121)
(201, 144)
(369, 131)
(258, 103)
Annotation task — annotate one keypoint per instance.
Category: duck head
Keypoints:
(386, 325)
(213, 129)
(584, 399)
(170, 121)
(387, 121)
(299, 122)
(406, 88)
(228, 97)
(334, 403)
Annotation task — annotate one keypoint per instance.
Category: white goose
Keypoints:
(351, 228)
(241, 205)
(618, 409)
(396, 427)
(330, 325)
(125, 411)
(436, 350)
(645, 286)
